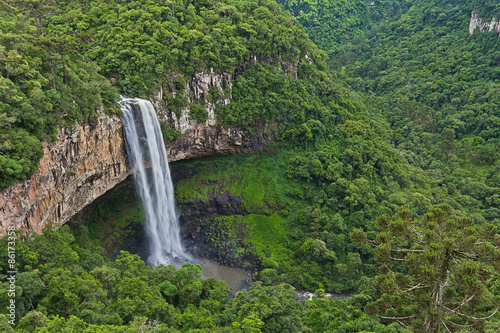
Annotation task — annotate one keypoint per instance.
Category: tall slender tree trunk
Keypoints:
(437, 302)
(36, 23)
(173, 8)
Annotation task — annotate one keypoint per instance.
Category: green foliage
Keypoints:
(113, 221)
(43, 84)
(52, 56)
(275, 306)
(435, 85)
(125, 295)
(323, 315)
(429, 88)
(198, 112)
(333, 23)
(19, 155)
(302, 238)
(447, 258)
(437, 88)
(422, 71)
(168, 132)
(139, 44)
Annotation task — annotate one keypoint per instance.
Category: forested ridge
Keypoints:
(43, 85)
(383, 180)
(57, 56)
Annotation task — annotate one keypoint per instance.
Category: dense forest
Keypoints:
(383, 180)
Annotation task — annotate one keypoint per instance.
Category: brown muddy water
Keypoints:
(237, 279)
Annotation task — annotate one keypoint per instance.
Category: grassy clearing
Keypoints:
(269, 235)
(259, 179)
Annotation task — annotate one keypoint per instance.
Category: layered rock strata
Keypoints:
(83, 164)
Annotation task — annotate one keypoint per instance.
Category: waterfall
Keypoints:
(146, 148)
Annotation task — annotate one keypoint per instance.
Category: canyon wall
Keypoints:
(90, 158)
(83, 164)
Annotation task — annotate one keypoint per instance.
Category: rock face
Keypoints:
(206, 235)
(85, 162)
(211, 140)
(197, 89)
(90, 159)
(483, 25)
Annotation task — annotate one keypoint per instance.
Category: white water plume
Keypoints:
(148, 158)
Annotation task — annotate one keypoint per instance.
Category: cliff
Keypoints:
(205, 138)
(483, 25)
(90, 159)
(83, 164)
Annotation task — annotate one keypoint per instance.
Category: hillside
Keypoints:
(431, 74)
(437, 87)
(33, 102)
(56, 56)
(381, 179)
(139, 48)
(332, 24)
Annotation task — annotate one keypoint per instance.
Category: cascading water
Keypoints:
(145, 147)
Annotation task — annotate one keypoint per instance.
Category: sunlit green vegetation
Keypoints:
(43, 84)
(65, 285)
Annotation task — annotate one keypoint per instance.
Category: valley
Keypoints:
(341, 147)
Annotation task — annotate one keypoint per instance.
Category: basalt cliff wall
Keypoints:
(83, 164)
(90, 159)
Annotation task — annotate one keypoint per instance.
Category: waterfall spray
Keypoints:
(148, 158)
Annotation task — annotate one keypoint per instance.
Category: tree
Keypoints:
(37, 6)
(447, 137)
(50, 42)
(432, 273)
(83, 34)
(275, 306)
(64, 47)
(84, 37)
